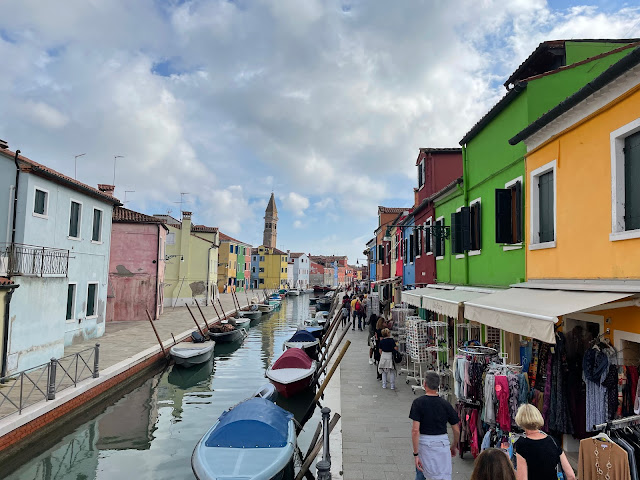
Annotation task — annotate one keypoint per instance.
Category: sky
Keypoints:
(214, 104)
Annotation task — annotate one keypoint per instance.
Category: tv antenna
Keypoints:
(125, 195)
(182, 200)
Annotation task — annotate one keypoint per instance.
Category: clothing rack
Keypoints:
(618, 421)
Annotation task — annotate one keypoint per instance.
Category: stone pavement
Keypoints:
(376, 429)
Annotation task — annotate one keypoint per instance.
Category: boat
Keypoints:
(313, 300)
(292, 372)
(224, 334)
(309, 290)
(306, 341)
(268, 392)
(255, 440)
(250, 314)
(266, 308)
(242, 322)
(188, 354)
(323, 303)
(293, 292)
(315, 330)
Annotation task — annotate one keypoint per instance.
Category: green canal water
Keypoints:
(150, 432)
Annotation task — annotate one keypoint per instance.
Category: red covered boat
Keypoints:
(292, 372)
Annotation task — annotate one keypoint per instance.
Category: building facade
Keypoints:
(136, 266)
(301, 270)
(272, 268)
(232, 258)
(59, 256)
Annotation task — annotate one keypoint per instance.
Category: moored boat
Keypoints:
(266, 308)
(226, 333)
(255, 440)
(188, 354)
(293, 292)
(306, 341)
(313, 300)
(292, 372)
(242, 322)
(315, 330)
(250, 314)
(267, 391)
(323, 303)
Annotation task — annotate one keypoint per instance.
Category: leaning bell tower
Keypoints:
(270, 223)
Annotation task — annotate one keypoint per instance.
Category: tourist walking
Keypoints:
(431, 446)
(381, 324)
(371, 340)
(538, 456)
(386, 367)
(358, 311)
(493, 464)
(345, 314)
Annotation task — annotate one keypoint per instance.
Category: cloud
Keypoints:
(297, 224)
(296, 203)
(43, 115)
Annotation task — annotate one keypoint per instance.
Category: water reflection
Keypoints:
(150, 432)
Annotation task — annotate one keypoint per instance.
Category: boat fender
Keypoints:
(197, 338)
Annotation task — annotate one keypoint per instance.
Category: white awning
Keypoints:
(438, 300)
(533, 312)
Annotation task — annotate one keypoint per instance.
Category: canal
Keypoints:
(150, 431)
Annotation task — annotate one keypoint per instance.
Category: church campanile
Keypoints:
(270, 222)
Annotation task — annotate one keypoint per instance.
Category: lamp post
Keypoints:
(75, 165)
(115, 157)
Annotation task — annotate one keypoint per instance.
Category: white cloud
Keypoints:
(297, 224)
(296, 203)
(43, 115)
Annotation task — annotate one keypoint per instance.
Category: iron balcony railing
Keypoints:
(31, 260)
(23, 389)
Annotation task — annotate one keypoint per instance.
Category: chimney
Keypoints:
(107, 189)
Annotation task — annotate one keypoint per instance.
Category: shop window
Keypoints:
(509, 218)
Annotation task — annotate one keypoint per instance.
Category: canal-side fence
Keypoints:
(23, 389)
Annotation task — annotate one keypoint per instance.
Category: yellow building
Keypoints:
(191, 255)
(273, 268)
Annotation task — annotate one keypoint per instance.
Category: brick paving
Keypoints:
(376, 429)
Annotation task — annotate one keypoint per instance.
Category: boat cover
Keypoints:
(302, 336)
(293, 358)
(254, 423)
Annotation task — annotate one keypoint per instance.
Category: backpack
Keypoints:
(358, 306)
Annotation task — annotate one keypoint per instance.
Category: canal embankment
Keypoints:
(127, 350)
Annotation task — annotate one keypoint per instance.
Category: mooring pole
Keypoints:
(156, 332)
(203, 317)
(224, 315)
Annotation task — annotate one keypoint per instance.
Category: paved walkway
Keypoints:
(376, 429)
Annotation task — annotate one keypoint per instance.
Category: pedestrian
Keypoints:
(386, 366)
(431, 446)
(371, 340)
(380, 325)
(353, 311)
(358, 313)
(493, 464)
(537, 454)
(362, 312)
(345, 314)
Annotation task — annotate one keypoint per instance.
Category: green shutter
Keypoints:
(465, 229)
(71, 291)
(516, 216)
(97, 224)
(632, 182)
(74, 220)
(545, 205)
(91, 299)
(39, 206)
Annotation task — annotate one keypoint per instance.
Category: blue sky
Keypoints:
(325, 103)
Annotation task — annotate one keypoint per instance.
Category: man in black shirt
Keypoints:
(431, 447)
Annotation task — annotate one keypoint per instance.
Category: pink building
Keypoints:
(136, 266)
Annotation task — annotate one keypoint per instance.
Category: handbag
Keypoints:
(397, 356)
(559, 471)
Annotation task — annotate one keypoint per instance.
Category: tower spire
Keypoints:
(270, 223)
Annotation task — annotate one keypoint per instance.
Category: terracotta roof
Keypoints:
(124, 215)
(203, 228)
(296, 255)
(392, 209)
(278, 252)
(441, 150)
(254, 251)
(5, 281)
(227, 238)
(28, 165)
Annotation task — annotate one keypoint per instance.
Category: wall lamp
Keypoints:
(169, 257)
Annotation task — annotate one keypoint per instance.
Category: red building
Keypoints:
(437, 168)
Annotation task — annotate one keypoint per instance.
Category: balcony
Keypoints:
(33, 261)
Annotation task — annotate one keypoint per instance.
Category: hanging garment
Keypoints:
(559, 419)
(523, 395)
(598, 456)
(630, 454)
(486, 441)
(488, 409)
(547, 393)
(622, 387)
(475, 434)
(514, 393)
(459, 375)
(541, 376)
(596, 402)
(610, 382)
(525, 355)
(533, 366)
(502, 394)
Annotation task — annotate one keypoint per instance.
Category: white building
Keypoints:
(300, 270)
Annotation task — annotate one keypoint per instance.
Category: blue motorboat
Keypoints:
(316, 331)
(305, 340)
(255, 440)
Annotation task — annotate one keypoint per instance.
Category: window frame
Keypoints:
(442, 225)
(95, 301)
(510, 184)
(617, 139)
(74, 304)
(534, 212)
(99, 241)
(427, 238)
(79, 237)
(459, 256)
(44, 215)
(478, 201)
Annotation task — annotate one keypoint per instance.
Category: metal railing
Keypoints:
(31, 260)
(23, 389)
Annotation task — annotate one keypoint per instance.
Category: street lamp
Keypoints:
(75, 165)
(115, 157)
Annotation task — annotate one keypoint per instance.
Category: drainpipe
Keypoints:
(15, 201)
(157, 316)
(5, 332)
(465, 189)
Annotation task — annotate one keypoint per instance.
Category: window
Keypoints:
(262, 258)
(255, 258)
(230, 248)
(236, 249)
(75, 217)
(71, 301)
(261, 281)
(285, 269)
(92, 299)
(418, 234)
(412, 247)
(509, 219)
(96, 232)
(41, 203)
(421, 173)
(171, 239)
(476, 227)
(261, 269)
(253, 269)
(428, 244)
(543, 207)
(439, 238)
(625, 188)
(461, 231)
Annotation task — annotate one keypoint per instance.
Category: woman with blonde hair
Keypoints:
(537, 454)
(386, 366)
(493, 464)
